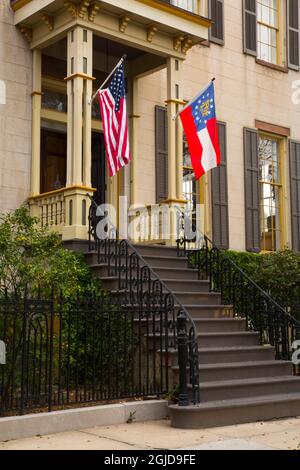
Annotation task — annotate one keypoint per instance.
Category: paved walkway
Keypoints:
(278, 434)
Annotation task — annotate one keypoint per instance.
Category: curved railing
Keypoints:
(275, 325)
(139, 284)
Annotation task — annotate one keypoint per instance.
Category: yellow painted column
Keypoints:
(175, 142)
(79, 127)
(171, 106)
(36, 122)
(134, 129)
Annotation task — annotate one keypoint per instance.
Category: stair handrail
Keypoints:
(275, 325)
(245, 275)
(193, 337)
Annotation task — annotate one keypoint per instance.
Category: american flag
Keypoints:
(115, 125)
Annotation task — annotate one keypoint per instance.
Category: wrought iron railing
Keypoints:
(140, 286)
(66, 352)
(276, 326)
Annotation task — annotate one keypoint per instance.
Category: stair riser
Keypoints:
(236, 356)
(197, 299)
(199, 419)
(167, 262)
(250, 390)
(245, 372)
(184, 285)
(218, 327)
(176, 274)
(113, 284)
(215, 342)
(208, 312)
(156, 250)
(227, 340)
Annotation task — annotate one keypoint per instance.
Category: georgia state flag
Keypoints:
(201, 130)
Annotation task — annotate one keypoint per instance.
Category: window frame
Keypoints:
(270, 27)
(282, 149)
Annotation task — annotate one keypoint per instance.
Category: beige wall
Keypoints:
(245, 91)
(15, 114)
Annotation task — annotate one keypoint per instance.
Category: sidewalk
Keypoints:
(279, 434)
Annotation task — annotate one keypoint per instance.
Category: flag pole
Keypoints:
(106, 80)
(187, 105)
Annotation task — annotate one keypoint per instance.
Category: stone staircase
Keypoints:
(240, 380)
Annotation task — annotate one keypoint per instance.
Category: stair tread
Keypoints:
(236, 365)
(228, 333)
(183, 258)
(167, 268)
(250, 381)
(237, 348)
(190, 281)
(237, 402)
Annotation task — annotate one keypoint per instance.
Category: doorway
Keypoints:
(54, 163)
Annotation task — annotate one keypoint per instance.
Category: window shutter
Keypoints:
(251, 190)
(295, 193)
(216, 13)
(161, 153)
(293, 33)
(219, 193)
(250, 27)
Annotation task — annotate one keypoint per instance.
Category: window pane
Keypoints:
(267, 16)
(269, 174)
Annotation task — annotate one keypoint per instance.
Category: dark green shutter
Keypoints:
(250, 27)
(251, 190)
(219, 193)
(216, 13)
(295, 193)
(161, 153)
(293, 33)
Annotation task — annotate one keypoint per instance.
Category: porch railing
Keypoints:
(276, 326)
(51, 208)
(140, 286)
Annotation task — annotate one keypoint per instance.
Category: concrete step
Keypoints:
(229, 389)
(218, 325)
(211, 340)
(190, 285)
(231, 338)
(176, 273)
(156, 250)
(166, 261)
(198, 298)
(240, 370)
(236, 354)
(235, 411)
(208, 311)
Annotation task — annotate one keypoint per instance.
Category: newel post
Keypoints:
(182, 341)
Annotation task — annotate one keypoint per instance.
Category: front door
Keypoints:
(98, 168)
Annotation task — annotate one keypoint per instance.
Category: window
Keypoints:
(270, 184)
(267, 21)
(189, 5)
(55, 100)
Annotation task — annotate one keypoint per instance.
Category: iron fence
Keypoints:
(64, 352)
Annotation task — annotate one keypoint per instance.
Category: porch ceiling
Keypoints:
(152, 25)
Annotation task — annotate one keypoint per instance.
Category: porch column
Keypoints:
(134, 124)
(79, 89)
(36, 122)
(175, 136)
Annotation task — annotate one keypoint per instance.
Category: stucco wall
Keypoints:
(15, 112)
(245, 91)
